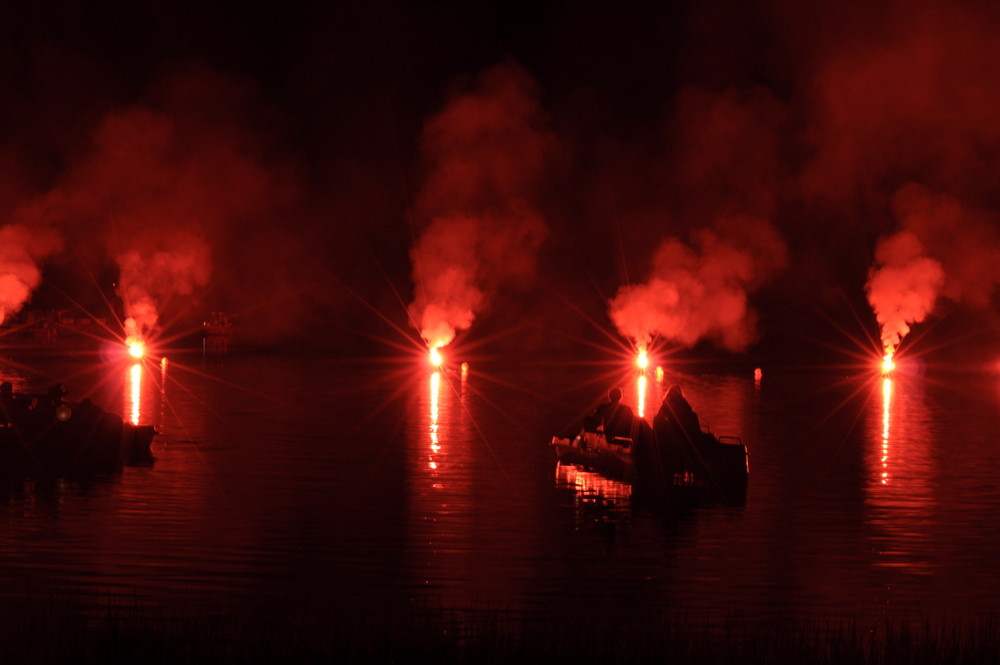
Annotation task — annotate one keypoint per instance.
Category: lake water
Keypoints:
(323, 485)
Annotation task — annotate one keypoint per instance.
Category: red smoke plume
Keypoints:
(163, 183)
(725, 175)
(944, 249)
(700, 291)
(907, 114)
(902, 287)
(21, 251)
(486, 154)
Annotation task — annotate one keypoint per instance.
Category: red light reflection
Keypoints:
(133, 402)
(640, 400)
(900, 492)
(435, 393)
(590, 485)
(886, 421)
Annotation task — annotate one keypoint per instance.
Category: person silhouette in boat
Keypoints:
(8, 403)
(678, 435)
(614, 418)
(676, 417)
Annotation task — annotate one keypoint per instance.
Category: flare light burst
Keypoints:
(642, 359)
(888, 364)
(436, 359)
(136, 347)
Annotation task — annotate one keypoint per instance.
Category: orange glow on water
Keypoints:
(590, 485)
(886, 421)
(640, 391)
(135, 393)
(435, 392)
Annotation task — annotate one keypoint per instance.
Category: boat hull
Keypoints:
(86, 441)
(712, 468)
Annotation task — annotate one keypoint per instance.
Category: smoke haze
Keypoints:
(739, 174)
(21, 252)
(486, 152)
(700, 291)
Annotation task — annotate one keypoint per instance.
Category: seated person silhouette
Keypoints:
(13, 407)
(614, 418)
(678, 433)
(677, 418)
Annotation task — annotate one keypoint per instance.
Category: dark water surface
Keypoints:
(322, 485)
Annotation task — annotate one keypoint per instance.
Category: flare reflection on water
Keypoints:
(640, 400)
(142, 402)
(435, 396)
(133, 405)
(886, 420)
(900, 493)
(591, 486)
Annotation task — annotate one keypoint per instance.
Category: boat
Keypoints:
(712, 467)
(48, 436)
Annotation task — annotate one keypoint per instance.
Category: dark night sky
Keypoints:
(282, 163)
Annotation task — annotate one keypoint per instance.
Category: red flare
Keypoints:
(435, 357)
(888, 364)
(136, 347)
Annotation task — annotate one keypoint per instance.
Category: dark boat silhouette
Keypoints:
(45, 435)
(663, 467)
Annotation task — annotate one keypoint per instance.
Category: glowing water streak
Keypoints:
(135, 393)
(886, 421)
(591, 486)
(163, 387)
(435, 388)
(640, 392)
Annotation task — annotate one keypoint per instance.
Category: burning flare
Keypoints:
(902, 287)
(136, 347)
(888, 364)
(642, 359)
(435, 356)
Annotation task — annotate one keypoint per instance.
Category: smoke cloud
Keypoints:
(945, 249)
(21, 252)
(902, 139)
(902, 287)
(700, 290)
(163, 183)
(724, 179)
(486, 154)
